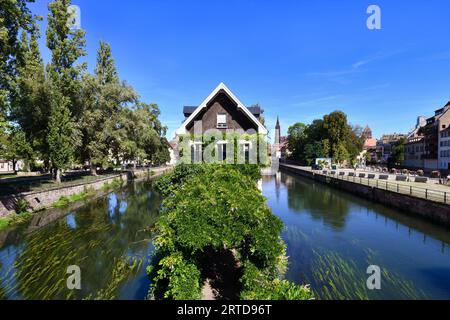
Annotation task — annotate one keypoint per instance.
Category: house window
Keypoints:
(222, 121)
(246, 152)
(222, 151)
(196, 153)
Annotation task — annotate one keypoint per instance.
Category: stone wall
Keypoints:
(44, 199)
(437, 212)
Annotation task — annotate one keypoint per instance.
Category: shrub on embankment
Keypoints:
(216, 207)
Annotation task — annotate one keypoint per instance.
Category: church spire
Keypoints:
(278, 132)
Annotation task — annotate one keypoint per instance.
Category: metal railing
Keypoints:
(425, 193)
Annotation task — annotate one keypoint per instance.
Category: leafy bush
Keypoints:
(167, 184)
(216, 207)
(177, 278)
(258, 285)
(14, 219)
(22, 206)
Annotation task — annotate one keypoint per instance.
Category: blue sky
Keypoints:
(298, 59)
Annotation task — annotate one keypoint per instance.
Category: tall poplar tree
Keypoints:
(61, 134)
(105, 70)
(30, 105)
(67, 46)
(14, 17)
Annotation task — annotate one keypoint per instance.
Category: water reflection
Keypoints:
(108, 238)
(315, 201)
(332, 237)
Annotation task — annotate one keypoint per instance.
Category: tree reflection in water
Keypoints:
(107, 238)
(321, 202)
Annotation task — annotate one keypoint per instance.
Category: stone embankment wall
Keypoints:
(438, 212)
(44, 199)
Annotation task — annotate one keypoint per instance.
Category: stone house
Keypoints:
(224, 113)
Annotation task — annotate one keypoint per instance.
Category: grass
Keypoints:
(114, 184)
(14, 219)
(8, 176)
(22, 214)
(44, 184)
(123, 269)
(64, 201)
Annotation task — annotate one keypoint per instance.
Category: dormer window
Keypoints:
(222, 121)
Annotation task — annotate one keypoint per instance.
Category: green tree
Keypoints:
(331, 136)
(67, 46)
(161, 154)
(297, 138)
(30, 105)
(14, 17)
(340, 153)
(337, 131)
(398, 153)
(316, 131)
(144, 133)
(17, 148)
(61, 135)
(103, 100)
(317, 149)
(106, 70)
(3, 134)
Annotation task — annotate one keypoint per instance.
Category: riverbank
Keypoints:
(379, 191)
(18, 208)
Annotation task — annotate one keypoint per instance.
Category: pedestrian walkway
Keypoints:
(430, 191)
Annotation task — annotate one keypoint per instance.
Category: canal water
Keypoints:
(109, 239)
(332, 237)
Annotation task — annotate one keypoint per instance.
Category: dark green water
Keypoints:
(332, 237)
(109, 239)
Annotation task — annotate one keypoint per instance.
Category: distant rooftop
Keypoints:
(188, 110)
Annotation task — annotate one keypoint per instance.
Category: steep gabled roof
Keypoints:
(222, 87)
